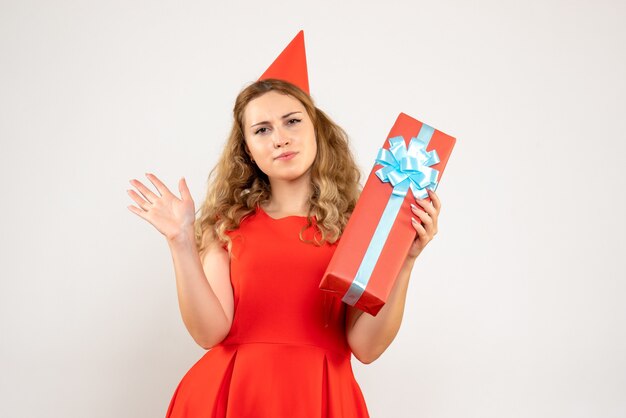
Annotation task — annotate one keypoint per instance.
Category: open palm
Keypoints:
(166, 212)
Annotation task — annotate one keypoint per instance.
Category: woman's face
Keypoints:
(276, 123)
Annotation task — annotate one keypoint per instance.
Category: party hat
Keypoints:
(291, 64)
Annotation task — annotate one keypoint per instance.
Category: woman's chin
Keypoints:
(287, 177)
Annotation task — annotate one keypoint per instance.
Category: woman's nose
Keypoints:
(280, 138)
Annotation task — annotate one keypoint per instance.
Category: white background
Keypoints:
(515, 309)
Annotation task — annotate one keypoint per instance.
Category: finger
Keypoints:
(421, 231)
(426, 203)
(147, 193)
(185, 194)
(427, 207)
(137, 211)
(423, 215)
(158, 184)
(138, 199)
(426, 199)
(434, 199)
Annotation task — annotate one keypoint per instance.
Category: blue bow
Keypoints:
(406, 169)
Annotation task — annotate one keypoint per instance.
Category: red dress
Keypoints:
(279, 358)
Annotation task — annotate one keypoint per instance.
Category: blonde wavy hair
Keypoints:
(236, 185)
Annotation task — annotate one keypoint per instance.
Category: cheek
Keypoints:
(313, 150)
(255, 151)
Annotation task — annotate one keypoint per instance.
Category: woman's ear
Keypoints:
(248, 151)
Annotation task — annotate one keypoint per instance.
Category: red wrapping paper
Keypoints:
(357, 235)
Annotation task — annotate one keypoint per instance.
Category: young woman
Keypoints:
(248, 268)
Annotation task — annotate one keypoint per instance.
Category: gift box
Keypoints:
(379, 233)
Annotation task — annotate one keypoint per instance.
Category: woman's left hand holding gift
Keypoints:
(427, 212)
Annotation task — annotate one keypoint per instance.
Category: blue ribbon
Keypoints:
(404, 169)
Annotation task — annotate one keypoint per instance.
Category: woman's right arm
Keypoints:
(205, 294)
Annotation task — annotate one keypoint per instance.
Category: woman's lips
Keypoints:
(288, 156)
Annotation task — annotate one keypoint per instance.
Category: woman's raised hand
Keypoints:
(170, 215)
(426, 228)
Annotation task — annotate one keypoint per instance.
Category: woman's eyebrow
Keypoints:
(285, 116)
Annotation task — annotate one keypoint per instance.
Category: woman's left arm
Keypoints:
(368, 335)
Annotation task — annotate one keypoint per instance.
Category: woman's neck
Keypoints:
(289, 198)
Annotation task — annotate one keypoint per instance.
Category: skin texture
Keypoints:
(275, 123)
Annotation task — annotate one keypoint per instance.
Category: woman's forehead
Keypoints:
(271, 105)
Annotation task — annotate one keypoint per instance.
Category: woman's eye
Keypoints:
(265, 129)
